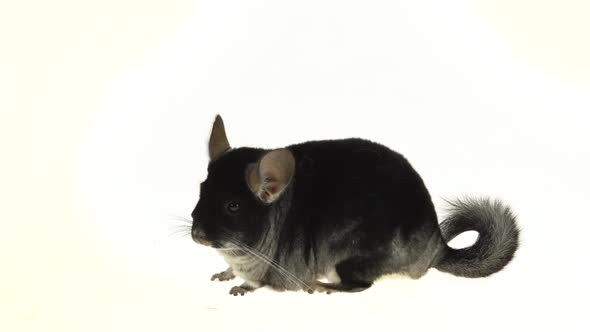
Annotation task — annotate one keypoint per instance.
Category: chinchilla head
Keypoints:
(239, 199)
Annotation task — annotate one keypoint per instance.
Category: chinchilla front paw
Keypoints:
(223, 276)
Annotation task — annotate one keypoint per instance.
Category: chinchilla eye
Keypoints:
(233, 207)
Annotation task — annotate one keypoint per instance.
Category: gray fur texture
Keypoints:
(496, 244)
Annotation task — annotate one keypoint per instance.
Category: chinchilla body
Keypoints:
(349, 211)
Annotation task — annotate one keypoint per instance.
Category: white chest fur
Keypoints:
(249, 268)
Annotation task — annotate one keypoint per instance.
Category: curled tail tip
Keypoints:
(496, 244)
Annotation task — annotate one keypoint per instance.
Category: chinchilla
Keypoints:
(344, 211)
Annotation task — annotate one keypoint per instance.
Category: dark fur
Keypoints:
(354, 205)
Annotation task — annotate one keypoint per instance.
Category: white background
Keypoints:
(107, 107)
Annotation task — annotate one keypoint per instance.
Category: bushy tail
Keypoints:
(495, 245)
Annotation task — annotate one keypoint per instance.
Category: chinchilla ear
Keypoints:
(269, 177)
(218, 143)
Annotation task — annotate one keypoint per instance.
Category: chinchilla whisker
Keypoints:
(248, 250)
(229, 249)
(180, 231)
(179, 235)
(180, 228)
(184, 226)
(174, 217)
(274, 266)
(283, 271)
(187, 221)
(183, 230)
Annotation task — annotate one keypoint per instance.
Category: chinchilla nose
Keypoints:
(198, 235)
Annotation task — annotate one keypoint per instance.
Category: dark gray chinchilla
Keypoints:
(349, 211)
